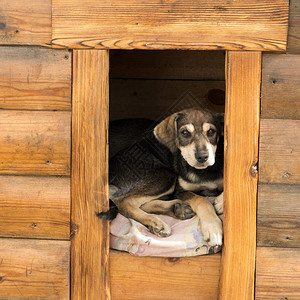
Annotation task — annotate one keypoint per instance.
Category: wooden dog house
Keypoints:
(54, 100)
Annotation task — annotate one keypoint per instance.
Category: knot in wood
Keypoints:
(253, 170)
(74, 229)
(173, 259)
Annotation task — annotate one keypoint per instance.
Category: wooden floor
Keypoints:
(138, 278)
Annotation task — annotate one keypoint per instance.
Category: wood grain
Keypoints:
(25, 23)
(167, 64)
(35, 142)
(240, 179)
(279, 151)
(278, 215)
(36, 207)
(34, 269)
(170, 24)
(150, 278)
(155, 99)
(294, 27)
(280, 91)
(277, 273)
(90, 242)
(35, 78)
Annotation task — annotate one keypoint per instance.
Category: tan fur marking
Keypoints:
(207, 126)
(211, 225)
(130, 207)
(188, 127)
(194, 187)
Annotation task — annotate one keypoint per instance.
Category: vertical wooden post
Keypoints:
(90, 244)
(243, 76)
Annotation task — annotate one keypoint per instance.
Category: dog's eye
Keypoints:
(210, 132)
(185, 133)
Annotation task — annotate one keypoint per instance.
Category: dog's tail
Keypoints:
(110, 214)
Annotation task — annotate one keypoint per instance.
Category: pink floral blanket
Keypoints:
(186, 238)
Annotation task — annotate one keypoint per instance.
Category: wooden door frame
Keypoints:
(90, 236)
(89, 176)
(242, 112)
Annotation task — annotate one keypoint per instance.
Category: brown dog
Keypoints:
(182, 158)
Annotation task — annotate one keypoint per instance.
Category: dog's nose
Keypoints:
(202, 156)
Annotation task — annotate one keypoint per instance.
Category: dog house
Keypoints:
(54, 100)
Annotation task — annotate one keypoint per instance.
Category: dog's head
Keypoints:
(195, 133)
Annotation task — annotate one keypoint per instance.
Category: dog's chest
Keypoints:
(195, 184)
(196, 187)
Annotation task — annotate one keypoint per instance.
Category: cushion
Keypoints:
(186, 238)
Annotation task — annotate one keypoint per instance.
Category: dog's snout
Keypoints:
(202, 156)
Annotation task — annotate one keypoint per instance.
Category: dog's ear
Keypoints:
(220, 118)
(166, 131)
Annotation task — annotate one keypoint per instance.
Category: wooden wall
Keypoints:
(154, 84)
(278, 215)
(35, 121)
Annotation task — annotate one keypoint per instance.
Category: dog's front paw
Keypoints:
(212, 231)
(160, 228)
(218, 204)
(183, 211)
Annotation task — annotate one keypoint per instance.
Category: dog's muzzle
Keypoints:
(202, 156)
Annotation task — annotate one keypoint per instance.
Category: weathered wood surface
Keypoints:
(150, 278)
(240, 179)
(90, 241)
(170, 24)
(277, 273)
(155, 99)
(294, 27)
(167, 64)
(35, 78)
(35, 207)
(278, 215)
(34, 269)
(25, 23)
(35, 142)
(279, 151)
(280, 90)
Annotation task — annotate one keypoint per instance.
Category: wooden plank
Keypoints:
(90, 242)
(294, 27)
(35, 142)
(168, 64)
(279, 151)
(277, 274)
(34, 269)
(240, 178)
(25, 23)
(278, 215)
(150, 278)
(170, 24)
(280, 92)
(35, 78)
(155, 99)
(36, 207)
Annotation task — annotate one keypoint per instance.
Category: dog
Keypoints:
(169, 171)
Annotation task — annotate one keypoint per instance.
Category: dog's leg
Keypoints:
(173, 208)
(218, 204)
(129, 206)
(210, 223)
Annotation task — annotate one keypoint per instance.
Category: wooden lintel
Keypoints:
(167, 24)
